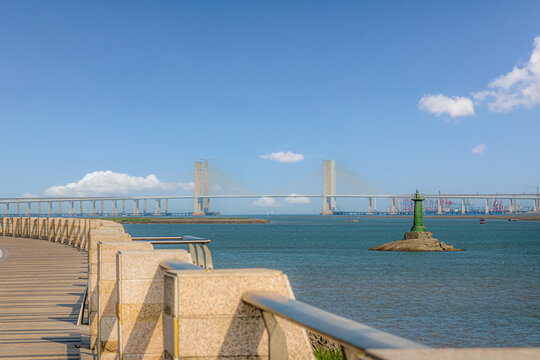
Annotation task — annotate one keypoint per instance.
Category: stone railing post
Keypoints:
(206, 318)
(140, 301)
(106, 233)
(107, 331)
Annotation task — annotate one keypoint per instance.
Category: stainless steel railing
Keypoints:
(84, 305)
(179, 265)
(201, 257)
(356, 339)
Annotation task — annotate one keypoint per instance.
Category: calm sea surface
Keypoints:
(488, 295)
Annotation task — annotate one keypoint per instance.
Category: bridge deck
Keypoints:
(41, 290)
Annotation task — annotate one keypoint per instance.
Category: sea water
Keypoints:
(486, 296)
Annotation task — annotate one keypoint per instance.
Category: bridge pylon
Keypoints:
(201, 205)
(329, 187)
(206, 188)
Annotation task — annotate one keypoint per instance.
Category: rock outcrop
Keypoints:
(416, 241)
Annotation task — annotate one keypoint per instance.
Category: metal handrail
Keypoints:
(84, 305)
(356, 339)
(187, 239)
(178, 265)
(200, 257)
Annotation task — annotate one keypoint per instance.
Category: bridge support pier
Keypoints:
(370, 206)
(166, 206)
(463, 206)
(18, 209)
(49, 208)
(135, 207)
(102, 207)
(487, 206)
(510, 206)
(28, 208)
(6, 209)
(536, 204)
(468, 206)
(60, 208)
(81, 207)
(123, 206)
(157, 207)
(144, 206)
(39, 208)
(439, 207)
(393, 206)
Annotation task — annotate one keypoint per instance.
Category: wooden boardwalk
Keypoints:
(41, 289)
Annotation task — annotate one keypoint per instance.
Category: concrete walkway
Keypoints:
(41, 289)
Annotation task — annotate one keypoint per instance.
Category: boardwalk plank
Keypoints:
(41, 289)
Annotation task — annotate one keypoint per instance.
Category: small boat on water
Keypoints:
(353, 220)
(512, 219)
(482, 221)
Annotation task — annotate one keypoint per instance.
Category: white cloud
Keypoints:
(454, 106)
(184, 186)
(479, 149)
(265, 201)
(519, 87)
(111, 183)
(294, 199)
(30, 195)
(282, 156)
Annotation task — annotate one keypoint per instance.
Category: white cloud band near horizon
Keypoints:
(282, 156)
(111, 183)
(272, 202)
(266, 202)
(295, 199)
(518, 88)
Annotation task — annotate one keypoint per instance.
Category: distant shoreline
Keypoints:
(187, 220)
(476, 216)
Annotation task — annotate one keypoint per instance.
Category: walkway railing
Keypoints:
(200, 257)
(356, 339)
(74, 232)
(144, 303)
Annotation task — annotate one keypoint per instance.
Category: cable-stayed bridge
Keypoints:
(201, 200)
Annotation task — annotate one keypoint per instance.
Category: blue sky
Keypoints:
(145, 88)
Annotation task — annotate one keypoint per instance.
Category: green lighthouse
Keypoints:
(418, 239)
(418, 225)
